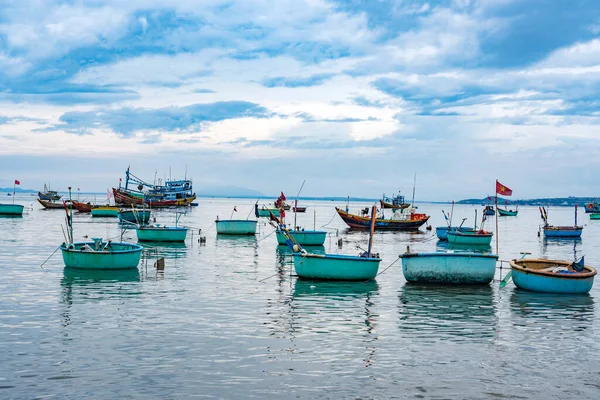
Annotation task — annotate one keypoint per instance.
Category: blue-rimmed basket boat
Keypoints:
(442, 231)
(449, 267)
(303, 237)
(335, 266)
(11, 209)
(100, 255)
(134, 216)
(236, 227)
(470, 238)
(551, 276)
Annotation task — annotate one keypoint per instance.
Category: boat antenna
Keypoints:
(372, 230)
(414, 184)
(296, 203)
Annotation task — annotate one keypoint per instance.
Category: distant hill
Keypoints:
(549, 201)
(18, 190)
(227, 191)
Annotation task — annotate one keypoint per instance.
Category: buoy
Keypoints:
(296, 248)
(160, 264)
(202, 239)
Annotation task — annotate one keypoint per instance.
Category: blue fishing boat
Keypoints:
(442, 231)
(471, 238)
(552, 231)
(592, 207)
(489, 210)
(101, 255)
(335, 266)
(49, 195)
(11, 209)
(105, 211)
(266, 212)
(134, 215)
(552, 276)
(449, 267)
(302, 237)
(162, 233)
(236, 227)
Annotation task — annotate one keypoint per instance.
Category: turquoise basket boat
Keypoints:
(442, 231)
(99, 255)
(335, 267)
(266, 212)
(551, 276)
(449, 267)
(595, 216)
(161, 233)
(303, 238)
(236, 227)
(134, 216)
(105, 211)
(11, 209)
(471, 238)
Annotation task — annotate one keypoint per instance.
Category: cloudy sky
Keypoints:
(354, 97)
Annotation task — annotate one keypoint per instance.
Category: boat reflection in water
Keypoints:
(445, 246)
(99, 284)
(438, 312)
(561, 314)
(168, 250)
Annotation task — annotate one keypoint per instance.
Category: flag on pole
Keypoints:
(283, 197)
(235, 208)
(17, 182)
(503, 190)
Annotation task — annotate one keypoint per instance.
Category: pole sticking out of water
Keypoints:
(296, 203)
(414, 185)
(496, 204)
(70, 215)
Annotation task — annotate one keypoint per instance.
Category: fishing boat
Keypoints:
(507, 213)
(595, 216)
(136, 216)
(236, 226)
(336, 266)
(298, 209)
(162, 233)
(592, 207)
(266, 212)
(11, 209)
(401, 220)
(552, 276)
(49, 195)
(396, 202)
(552, 231)
(489, 210)
(53, 204)
(471, 237)
(105, 211)
(449, 267)
(442, 231)
(174, 193)
(83, 207)
(98, 254)
(301, 236)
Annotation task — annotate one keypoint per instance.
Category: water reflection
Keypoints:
(167, 250)
(573, 312)
(443, 245)
(99, 284)
(447, 312)
(8, 216)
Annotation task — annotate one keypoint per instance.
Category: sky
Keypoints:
(354, 97)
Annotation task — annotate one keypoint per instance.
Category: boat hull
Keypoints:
(533, 275)
(83, 207)
(385, 204)
(442, 231)
(123, 256)
(236, 227)
(335, 267)
(105, 212)
(164, 234)
(11, 209)
(266, 212)
(358, 222)
(449, 268)
(134, 216)
(595, 216)
(563, 231)
(51, 204)
(507, 213)
(304, 238)
(127, 198)
(469, 238)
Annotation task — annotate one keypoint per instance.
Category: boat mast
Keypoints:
(414, 185)
(372, 230)
(296, 203)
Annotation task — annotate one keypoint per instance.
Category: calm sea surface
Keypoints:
(228, 318)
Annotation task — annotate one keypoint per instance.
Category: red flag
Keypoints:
(283, 197)
(17, 182)
(503, 190)
(282, 213)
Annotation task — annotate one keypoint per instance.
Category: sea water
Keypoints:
(229, 319)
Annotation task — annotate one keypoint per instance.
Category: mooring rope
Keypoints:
(388, 267)
(42, 266)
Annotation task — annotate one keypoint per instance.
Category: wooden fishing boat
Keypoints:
(471, 238)
(449, 267)
(49, 195)
(507, 213)
(100, 255)
(105, 211)
(11, 209)
(302, 237)
(136, 216)
(266, 212)
(442, 231)
(396, 203)
(552, 276)
(236, 226)
(83, 207)
(299, 209)
(174, 193)
(595, 216)
(54, 205)
(335, 266)
(400, 221)
(161, 233)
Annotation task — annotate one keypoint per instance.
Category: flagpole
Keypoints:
(14, 187)
(496, 196)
